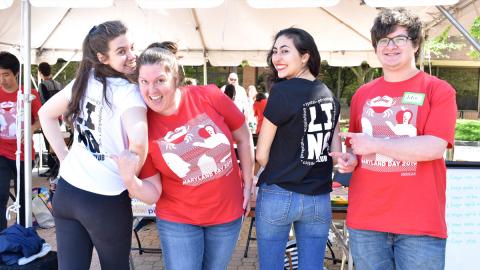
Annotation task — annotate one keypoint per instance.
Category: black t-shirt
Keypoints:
(48, 88)
(305, 113)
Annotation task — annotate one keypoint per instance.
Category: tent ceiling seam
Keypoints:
(53, 31)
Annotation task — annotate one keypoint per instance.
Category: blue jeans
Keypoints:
(276, 210)
(372, 250)
(190, 247)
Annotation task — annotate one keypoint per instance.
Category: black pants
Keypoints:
(85, 220)
(8, 171)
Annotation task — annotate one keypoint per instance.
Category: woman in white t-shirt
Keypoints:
(106, 111)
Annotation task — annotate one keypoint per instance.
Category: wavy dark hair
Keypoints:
(96, 41)
(388, 19)
(304, 43)
(161, 53)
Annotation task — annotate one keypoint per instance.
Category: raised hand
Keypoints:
(361, 143)
(127, 162)
(346, 161)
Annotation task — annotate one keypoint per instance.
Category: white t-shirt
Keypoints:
(241, 99)
(98, 134)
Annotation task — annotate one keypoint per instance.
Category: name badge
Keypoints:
(413, 98)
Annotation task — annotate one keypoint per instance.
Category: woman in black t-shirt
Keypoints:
(299, 131)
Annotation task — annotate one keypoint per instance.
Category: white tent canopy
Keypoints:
(226, 32)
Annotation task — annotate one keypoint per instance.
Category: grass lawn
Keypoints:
(467, 130)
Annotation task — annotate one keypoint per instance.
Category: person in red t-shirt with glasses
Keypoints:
(400, 126)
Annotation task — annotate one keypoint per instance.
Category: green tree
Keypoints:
(441, 45)
(475, 32)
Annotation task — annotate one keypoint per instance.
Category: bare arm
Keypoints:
(336, 146)
(347, 161)
(135, 122)
(244, 141)
(419, 148)
(265, 140)
(48, 115)
(147, 190)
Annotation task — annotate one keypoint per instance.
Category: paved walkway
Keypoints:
(149, 238)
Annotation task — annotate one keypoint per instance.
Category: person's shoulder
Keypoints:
(115, 81)
(202, 89)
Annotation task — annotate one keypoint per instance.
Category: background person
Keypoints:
(202, 194)
(9, 68)
(241, 99)
(396, 211)
(91, 205)
(47, 88)
(299, 130)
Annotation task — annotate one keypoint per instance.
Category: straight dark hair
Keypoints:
(96, 41)
(304, 43)
(9, 61)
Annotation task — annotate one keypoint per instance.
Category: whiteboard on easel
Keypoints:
(463, 218)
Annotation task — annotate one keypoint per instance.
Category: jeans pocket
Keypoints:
(323, 208)
(274, 205)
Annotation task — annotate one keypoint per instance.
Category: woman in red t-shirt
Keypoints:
(191, 171)
(258, 108)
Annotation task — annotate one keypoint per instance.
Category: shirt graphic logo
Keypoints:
(318, 124)
(88, 131)
(8, 117)
(197, 152)
(386, 117)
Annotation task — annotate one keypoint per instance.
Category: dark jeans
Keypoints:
(85, 220)
(8, 171)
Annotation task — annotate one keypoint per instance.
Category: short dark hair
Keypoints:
(9, 61)
(388, 19)
(259, 96)
(304, 43)
(45, 69)
(230, 91)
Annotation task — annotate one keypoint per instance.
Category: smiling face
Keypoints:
(286, 59)
(158, 88)
(120, 55)
(394, 57)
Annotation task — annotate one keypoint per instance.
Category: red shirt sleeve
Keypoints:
(233, 117)
(442, 117)
(36, 104)
(148, 168)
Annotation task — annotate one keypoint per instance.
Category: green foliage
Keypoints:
(441, 45)
(467, 130)
(475, 32)
(465, 82)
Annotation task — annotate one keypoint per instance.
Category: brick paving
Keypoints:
(149, 239)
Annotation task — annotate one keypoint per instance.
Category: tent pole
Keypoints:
(459, 27)
(204, 69)
(64, 66)
(27, 112)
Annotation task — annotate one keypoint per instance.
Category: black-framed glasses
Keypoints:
(399, 41)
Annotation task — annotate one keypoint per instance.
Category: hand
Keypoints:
(346, 161)
(127, 162)
(361, 143)
(247, 193)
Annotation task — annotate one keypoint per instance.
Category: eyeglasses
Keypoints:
(398, 41)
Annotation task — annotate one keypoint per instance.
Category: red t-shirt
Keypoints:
(394, 196)
(8, 116)
(258, 109)
(193, 152)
